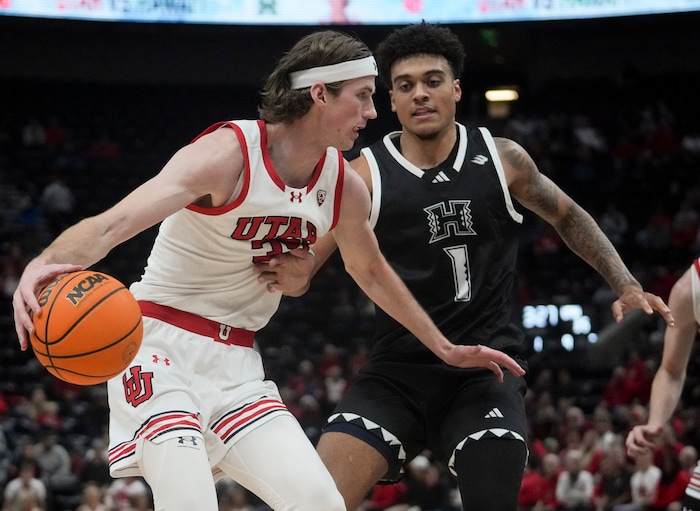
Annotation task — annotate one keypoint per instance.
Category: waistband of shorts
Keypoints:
(219, 332)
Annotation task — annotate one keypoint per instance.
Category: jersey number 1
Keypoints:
(460, 272)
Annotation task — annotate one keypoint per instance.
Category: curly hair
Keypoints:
(281, 103)
(419, 39)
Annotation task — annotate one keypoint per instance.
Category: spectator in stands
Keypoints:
(655, 234)
(92, 498)
(532, 485)
(643, 483)
(57, 204)
(670, 490)
(614, 223)
(124, 492)
(95, 465)
(54, 463)
(688, 458)
(387, 497)
(33, 133)
(26, 492)
(612, 486)
(12, 263)
(575, 485)
(551, 469)
(427, 489)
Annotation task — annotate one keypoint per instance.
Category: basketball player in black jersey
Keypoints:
(445, 201)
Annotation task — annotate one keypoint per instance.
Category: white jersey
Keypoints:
(202, 259)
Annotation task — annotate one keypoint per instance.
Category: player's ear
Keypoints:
(318, 92)
(458, 90)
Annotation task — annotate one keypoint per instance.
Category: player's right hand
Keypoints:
(642, 438)
(24, 300)
(288, 273)
(482, 356)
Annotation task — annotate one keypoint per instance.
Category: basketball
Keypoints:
(89, 328)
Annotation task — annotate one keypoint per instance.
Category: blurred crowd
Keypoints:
(70, 150)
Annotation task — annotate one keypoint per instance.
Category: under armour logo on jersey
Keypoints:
(440, 177)
(158, 360)
(479, 159)
(493, 414)
(295, 196)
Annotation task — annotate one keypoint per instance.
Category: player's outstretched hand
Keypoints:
(34, 277)
(289, 272)
(642, 438)
(482, 356)
(634, 297)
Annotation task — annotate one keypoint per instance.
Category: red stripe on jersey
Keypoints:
(246, 172)
(338, 190)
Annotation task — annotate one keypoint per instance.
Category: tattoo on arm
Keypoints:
(576, 227)
(585, 238)
(536, 193)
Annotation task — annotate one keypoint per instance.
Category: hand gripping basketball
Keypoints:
(89, 329)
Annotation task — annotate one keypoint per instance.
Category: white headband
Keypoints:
(334, 73)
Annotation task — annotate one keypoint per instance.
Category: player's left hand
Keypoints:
(289, 272)
(482, 356)
(634, 297)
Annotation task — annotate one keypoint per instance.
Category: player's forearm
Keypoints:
(83, 244)
(381, 284)
(666, 391)
(584, 237)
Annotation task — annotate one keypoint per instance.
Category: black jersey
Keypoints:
(463, 231)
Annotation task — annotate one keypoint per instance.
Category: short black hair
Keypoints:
(419, 39)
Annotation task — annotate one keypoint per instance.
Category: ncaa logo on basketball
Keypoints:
(83, 287)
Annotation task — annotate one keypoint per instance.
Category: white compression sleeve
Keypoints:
(279, 464)
(179, 474)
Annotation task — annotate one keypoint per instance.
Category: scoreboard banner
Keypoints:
(326, 12)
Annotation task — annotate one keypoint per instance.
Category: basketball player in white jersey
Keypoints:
(194, 403)
(667, 387)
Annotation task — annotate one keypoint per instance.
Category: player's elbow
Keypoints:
(366, 273)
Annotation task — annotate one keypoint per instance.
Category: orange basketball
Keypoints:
(89, 328)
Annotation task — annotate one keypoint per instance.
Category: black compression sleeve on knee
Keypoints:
(489, 474)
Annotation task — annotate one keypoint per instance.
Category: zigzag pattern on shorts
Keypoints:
(352, 418)
(479, 435)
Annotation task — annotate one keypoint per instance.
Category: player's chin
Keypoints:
(349, 142)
